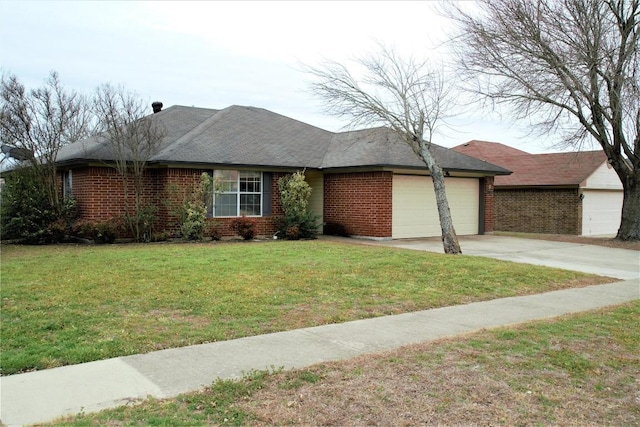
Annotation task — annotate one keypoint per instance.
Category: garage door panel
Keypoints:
(415, 212)
(464, 200)
(601, 212)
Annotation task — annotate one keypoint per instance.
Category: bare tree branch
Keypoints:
(40, 122)
(567, 66)
(404, 95)
(133, 138)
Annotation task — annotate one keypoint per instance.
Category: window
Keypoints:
(237, 193)
(67, 185)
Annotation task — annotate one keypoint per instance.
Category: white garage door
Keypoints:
(415, 213)
(601, 212)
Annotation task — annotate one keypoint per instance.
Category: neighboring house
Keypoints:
(367, 181)
(559, 193)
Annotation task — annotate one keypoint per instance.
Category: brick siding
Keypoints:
(552, 211)
(99, 192)
(361, 202)
(489, 204)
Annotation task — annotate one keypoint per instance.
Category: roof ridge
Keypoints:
(197, 130)
(568, 153)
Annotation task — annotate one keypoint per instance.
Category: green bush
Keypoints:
(56, 231)
(213, 231)
(193, 221)
(99, 231)
(139, 222)
(160, 236)
(245, 227)
(303, 226)
(191, 210)
(297, 222)
(27, 214)
(105, 233)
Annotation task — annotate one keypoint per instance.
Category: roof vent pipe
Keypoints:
(157, 106)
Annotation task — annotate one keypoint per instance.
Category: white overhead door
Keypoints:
(415, 213)
(601, 212)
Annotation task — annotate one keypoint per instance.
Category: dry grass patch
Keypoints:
(581, 370)
(577, 370)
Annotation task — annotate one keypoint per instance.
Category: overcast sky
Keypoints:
(214, 54)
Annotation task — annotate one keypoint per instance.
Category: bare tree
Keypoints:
(404, 95)
(570, 66)
(132, 138)
(35, 124)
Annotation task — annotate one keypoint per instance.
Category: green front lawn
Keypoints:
(70, 304)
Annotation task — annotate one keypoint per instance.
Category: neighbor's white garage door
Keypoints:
(601, 212)
(415, 213)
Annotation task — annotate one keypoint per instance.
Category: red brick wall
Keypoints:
(552, 211)
(100, 192)
(361, 202)
(100, 196)
(489, 204)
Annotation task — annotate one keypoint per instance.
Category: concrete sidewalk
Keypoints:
(45, 395)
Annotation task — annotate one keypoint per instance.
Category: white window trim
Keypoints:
(238, 193)
(67, 184)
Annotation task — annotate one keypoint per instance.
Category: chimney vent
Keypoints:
(157, 106)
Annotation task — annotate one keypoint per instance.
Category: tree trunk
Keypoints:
(630, 223)
(449, 237)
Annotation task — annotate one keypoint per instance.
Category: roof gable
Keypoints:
(553, 169)
(604, 178)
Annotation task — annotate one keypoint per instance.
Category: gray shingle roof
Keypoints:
(382, 147)
(250, 136)
(176, 122)
(257, 137)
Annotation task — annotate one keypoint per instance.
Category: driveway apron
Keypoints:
(618, 263)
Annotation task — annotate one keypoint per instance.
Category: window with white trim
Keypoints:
(67, 184)
(237, 193)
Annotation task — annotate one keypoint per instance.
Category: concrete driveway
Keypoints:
(619, 263)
